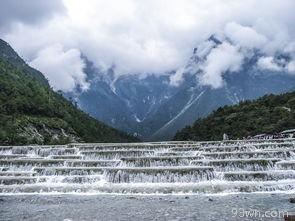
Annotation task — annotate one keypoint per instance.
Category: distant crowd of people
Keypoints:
(268, 136)
(284, 134)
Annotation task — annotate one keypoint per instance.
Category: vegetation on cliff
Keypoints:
(31, 112)
(268, 114)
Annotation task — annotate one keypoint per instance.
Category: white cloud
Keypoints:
(63, 68)
(177, 78)
(220, 60)
(268, 63)
(291, 67)
(142, 37)
(204, 48)
(244, 36)
(28, 11)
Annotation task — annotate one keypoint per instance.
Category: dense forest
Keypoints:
(31, 112)
(269, 114)
(7, 53)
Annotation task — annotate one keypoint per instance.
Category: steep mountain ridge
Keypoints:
(31, 112)
(270, 114)
(154, 109)
(7, 53)
(122, 102)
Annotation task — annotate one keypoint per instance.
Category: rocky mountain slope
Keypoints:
(155, 109)
(31, 112)
(270, 114)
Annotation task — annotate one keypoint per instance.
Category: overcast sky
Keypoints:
(147, 36)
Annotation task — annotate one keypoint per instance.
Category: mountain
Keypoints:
(122, 102)
(154, 109)
(201, 101)
(31, 112)
(7, 52)
(270, 114)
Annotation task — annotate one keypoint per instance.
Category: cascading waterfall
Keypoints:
(156, 167)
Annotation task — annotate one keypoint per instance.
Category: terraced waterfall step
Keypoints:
(282, 154)
(54, 171)
(259, 175)
(158, 161)
(153, 167)
(160, 174)
(238, 164)
(8, 180)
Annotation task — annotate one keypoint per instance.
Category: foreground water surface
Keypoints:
(146, 207)
(185, 180)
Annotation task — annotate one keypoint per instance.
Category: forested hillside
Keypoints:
(269, 114)
(7, 53)
(30, 112)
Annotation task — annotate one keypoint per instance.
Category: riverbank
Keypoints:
(145, 207)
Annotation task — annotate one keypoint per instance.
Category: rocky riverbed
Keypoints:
(146, 207)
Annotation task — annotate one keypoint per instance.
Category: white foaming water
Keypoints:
(150, 168)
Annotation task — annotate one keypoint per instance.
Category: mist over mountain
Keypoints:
(157, 106)
(270, 114)
(147, 110)
(152, 68)
(32, 113)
